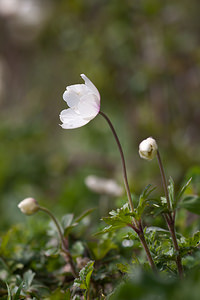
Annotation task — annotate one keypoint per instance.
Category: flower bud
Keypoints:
(148, 148)
(29, 206)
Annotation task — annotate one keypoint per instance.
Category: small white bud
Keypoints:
(29, 206)
(148, 148)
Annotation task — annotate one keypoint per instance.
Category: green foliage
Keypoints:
(60, 295)
(9, 292)
(183, 189)
(122, 217)
(83, 282)
(102, 247)
(68, 221)
(25, 286)
(18, 292)
(190, 244)
(144, 201)
(118, 219)
(160, 205)
(191, 203)
(143, 285)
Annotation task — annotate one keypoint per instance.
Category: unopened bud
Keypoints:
(148, 148)
(29, 206)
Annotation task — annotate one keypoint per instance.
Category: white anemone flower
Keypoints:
(103, 186)
(84, 104)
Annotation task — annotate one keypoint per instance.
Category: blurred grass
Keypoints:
(144, 58)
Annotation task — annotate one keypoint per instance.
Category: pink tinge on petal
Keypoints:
(89, 106)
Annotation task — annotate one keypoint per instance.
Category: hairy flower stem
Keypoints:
(164, 182)
(140, 233)
(137, 225)
(146, 248)
(122, 159)
(176, 247)
(62, 240)
(170, 219)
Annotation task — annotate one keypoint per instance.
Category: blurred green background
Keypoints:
(143, 56)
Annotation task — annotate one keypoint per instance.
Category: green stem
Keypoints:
(122, 159)
(62, 240)
(88, 294)
(170, 219)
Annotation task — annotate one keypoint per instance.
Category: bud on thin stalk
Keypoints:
(29, 206)
(148, 148)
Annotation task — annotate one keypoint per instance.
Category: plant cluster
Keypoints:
(130, 257)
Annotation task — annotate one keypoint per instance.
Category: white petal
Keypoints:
(89, 83)
(71, 98)
(71, 119)
(68, 114)
(79, 89)
(88, 107)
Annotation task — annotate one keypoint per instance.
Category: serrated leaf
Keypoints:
(104, 230)
(196, 238)
(89, 273)
(119, 218)
(84, 276)
(143, 202)
(191, 203)
(190, 244)
(79, 283)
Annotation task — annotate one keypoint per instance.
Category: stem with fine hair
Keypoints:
(136, 226)
(140, 233)
(170, 219)
(146, 248)
(62, 240)
(122, 159)
(164, 182)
